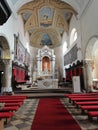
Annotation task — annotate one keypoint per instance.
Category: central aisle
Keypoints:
(52, 115)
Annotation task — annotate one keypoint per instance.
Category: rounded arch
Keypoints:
(91, 54)
(4, 45)
(4, 59)
(91, 46)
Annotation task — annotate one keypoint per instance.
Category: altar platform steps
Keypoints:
(38, 93)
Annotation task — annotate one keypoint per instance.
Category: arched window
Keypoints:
(64, 47)
(73, 36)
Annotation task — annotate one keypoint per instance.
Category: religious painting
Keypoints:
(20, 52)
(46, 16)
(46, 64)
(46, 40)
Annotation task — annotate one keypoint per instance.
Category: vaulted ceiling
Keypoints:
(46, 20)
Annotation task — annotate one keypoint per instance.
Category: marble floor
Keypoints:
(81, 118)
(22, 119)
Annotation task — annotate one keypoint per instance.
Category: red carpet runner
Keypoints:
(52, 115)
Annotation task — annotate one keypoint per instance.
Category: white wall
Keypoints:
(75, 23)
(86, 26)
(58, 51)
(89, 23)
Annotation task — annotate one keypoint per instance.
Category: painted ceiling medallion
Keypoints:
(46, 40)
(46, 16)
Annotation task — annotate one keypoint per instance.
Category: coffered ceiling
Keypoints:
(46, 20)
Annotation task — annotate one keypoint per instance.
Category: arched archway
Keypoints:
(4, 62)
(91, 63)
(5, 48)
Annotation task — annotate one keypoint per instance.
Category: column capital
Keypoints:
(5, 61)
(89, 62)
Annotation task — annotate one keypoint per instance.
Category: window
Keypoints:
(73, 36)
(64, 47)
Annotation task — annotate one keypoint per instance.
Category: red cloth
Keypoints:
(52, 115)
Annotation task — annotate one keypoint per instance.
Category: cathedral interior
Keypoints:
(48, 49)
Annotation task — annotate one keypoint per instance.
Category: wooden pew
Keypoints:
(86, 103)
(89, 108)
(4, 116)
(92, 114)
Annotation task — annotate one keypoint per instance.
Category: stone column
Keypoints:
(53, 67)
(39, 68)
(88, 67)
(7, 75)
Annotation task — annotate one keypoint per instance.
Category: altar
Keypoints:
(48, 83)
(46, 73)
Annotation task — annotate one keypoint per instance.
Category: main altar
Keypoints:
(46, 73)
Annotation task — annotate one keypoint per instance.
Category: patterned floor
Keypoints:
(81, 118)
(22, 120)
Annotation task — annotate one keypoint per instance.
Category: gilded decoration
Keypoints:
(51, 17)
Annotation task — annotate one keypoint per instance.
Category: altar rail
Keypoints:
(48, 83)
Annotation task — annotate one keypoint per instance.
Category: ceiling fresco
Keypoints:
(46, 20)
(46, 40)
(46, 16)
